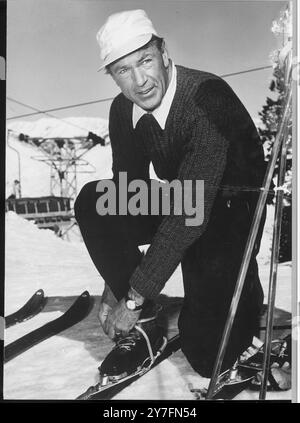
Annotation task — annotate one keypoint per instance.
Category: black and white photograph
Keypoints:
(150, 225)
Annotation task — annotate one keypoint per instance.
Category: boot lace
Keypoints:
(127, 342)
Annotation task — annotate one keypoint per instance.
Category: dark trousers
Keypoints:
(210, 268)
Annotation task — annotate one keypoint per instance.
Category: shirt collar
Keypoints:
(162, 111)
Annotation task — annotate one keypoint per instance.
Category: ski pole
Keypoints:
(248, 250)
(275, 255)
(273, 275)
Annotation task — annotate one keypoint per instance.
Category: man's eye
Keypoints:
(146, 61)
(122, 71)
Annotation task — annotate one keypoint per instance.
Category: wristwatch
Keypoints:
(132, 305)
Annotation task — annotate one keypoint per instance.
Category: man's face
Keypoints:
(143, 76)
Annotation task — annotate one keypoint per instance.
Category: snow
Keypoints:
(37, 259)
(53, 369)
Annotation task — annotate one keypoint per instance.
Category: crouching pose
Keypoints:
(192, 127)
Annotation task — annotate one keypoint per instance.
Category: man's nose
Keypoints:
(139, 77)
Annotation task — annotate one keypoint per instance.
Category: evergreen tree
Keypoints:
(270, 117)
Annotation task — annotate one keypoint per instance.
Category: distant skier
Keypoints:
(191, 126)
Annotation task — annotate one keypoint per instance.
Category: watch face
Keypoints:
(131, 304)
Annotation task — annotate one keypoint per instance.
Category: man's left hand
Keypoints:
(120, 320)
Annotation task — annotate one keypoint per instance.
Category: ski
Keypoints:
(106, 392)
(33, 306)
(243, 373)
(78, 311)
(230, 383)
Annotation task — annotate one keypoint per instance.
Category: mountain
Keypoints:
(59, 128)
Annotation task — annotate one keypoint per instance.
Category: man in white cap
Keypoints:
(191, 126)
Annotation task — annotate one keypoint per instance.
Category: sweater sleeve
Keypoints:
(204, 159)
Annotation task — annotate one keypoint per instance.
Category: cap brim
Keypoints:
(127, 48)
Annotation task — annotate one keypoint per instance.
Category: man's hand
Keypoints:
(108, 301)
(120, 320)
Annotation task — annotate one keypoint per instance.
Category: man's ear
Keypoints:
(165, 54)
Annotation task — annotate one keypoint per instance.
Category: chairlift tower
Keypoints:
(64, 156)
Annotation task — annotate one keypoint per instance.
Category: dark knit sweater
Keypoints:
(208, 136)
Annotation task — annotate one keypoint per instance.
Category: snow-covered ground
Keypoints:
(63, 366)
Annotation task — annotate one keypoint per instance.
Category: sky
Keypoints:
(53, 56)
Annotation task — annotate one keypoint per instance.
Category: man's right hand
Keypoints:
(108, 301)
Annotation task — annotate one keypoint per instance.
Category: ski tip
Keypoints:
(40, 292)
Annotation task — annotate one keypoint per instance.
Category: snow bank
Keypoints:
(36, 258)
(24, 239)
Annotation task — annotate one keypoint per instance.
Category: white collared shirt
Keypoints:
(162, 111)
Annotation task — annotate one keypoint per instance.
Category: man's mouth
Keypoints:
(145, 92)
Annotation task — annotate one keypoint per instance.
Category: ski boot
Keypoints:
(279, 376)
(132, 356)
(134, 353)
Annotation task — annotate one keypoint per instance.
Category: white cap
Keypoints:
(122, 34)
